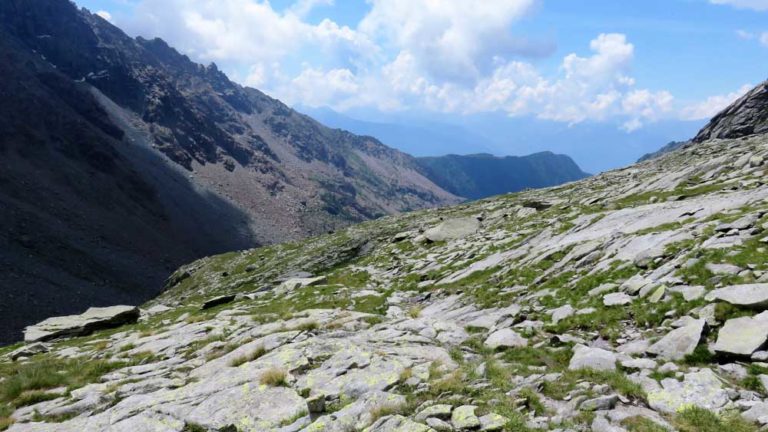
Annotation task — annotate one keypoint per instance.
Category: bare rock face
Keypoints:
(78, 325)
(746, 116)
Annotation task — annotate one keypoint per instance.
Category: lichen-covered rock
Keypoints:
(701, 389)
(464, 418)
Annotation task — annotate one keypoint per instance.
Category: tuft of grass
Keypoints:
(253, 355)
(34, 397)
(415, 312)
(307, 326)
(274, 377)
(385, 410)
(699, 357)
(642, 424)
(695, 419)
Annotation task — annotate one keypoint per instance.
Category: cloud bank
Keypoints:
(457, 56)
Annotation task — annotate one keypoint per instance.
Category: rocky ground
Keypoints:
(631, 301)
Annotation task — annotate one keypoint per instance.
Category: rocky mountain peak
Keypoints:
(747, 116)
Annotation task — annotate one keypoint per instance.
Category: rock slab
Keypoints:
(79, 325)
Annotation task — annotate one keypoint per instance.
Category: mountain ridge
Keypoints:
(483, 175)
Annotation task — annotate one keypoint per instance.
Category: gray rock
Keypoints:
(743, 336)
(77, 325)
(441, 411)
(690, 293)
(601, 403)
(505, 338)
(453, 229)
(464, 418)
(28, 351)
(396, 423)
(702, 389)
(217, 301)
(752, 296)
(592, 358)
(562, 313)
(493, 422)
(617, 299)
(439, 425)
(723, 269)
(679, 342)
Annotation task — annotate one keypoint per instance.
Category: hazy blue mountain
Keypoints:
(483, 175)
(499, 134)
(674, 145)
(419, 139)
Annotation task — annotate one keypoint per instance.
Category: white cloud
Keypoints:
(449, 56)
(709, 107)
(764, 39)
(451, 40)
(743, 34)
(104, 14)
(304, 7)
(759, 5)
(243, 31)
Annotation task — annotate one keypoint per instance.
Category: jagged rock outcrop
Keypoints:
(747, 116)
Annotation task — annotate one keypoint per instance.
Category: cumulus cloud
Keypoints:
(452, 40)
(759, 5)
(709, 107)
(243, 31)
(456, 56)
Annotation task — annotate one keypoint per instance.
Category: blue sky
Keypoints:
(632, 63)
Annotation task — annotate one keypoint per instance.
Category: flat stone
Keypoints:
(217, 301)
(452, 229)
(592, 358)
(562, 313)
(702, 389)
(439, 425)
(742, 336)
(397, 423)
(657, 294)
(751, 296)
(296, 283)
(690, 293)
(28, 351)
(464, 418)
(601, 403)
(441, 411)
(493, 422)
(505, 338)
(617, 299)
(679, 342)
(83, 324)
(723, 269)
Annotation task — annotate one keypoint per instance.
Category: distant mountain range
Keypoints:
(483, 175)
(499, 134)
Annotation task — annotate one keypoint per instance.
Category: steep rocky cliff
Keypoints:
(747, 116)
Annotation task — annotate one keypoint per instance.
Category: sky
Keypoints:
(629, 63)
